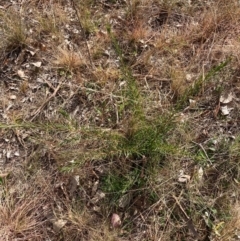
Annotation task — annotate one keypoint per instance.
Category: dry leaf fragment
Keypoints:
(115, 221)
(183, 178)
(99, 195)
(192, 103)
(4, 174)
(32, 52)
(95, 187)
(12, 97)
(225, 110)
(200, 174)
(21, 74)
(37, 64)
(122, 83)
(225, 99)
(235, 180)
(58, 224)
(8, 154)
(125, 200)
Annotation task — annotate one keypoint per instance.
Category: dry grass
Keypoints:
(24, 208)
(123, 115)
(19, 220)
(230, 229)
(68, 60)
(13, 31)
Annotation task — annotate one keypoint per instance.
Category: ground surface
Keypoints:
(119, 120)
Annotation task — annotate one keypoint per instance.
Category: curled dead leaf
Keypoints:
(183, 178)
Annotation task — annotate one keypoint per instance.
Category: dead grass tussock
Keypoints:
(107, 76)
(230, 229)
(85, 12)
(24, 208)
(139, 33)
(13, 30)
(60, 14)
(47, 25)
(51, 19)
(218, 19)
(20, 221)
(179, 83)
(68, 60)
(83, 225)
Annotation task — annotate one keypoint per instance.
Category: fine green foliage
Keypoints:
(198, 85)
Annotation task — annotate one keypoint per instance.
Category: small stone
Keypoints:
(115, 221)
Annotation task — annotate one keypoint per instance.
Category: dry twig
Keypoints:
(187, 218)
(37, 112)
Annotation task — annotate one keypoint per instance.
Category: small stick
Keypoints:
(49, 85)
(180, 206)
(187, 218)
(37, 112)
